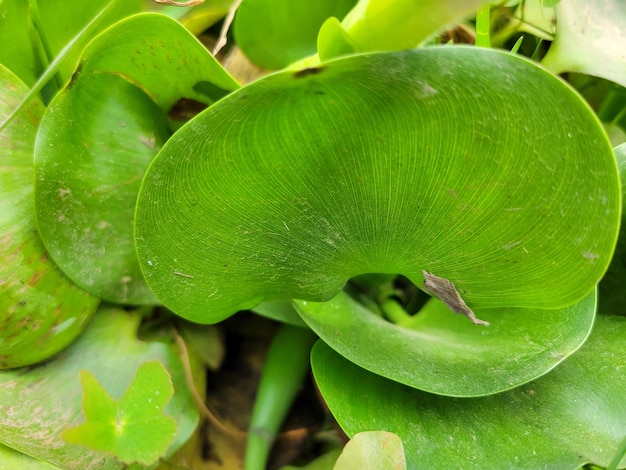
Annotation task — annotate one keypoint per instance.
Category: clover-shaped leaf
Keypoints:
(134, 428)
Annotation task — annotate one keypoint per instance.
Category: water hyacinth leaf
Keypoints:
(90, 157)
(41, 310)
(133, 428)
(363, 166)
(574, 415)
(98, 137)
(444, 353)
(167, 70)
(110, 350)
(275, 33)
(589, 39)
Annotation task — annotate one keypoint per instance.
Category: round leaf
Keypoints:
(98, 137)
(574, 415)
(475, 165)
(88, 176)
(444, 353)
(41, 310)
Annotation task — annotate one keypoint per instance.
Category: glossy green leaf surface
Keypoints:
(16, 32)
(38, 404)
(294, 184)
(11, 460)
(442, 352)
(381, 448)
(134, 429)
(275, 33)
(99, 135)
(333, 41)
(41, 310)
(575, 414)
(590, 38)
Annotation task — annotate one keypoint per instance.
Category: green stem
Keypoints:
(394, 311)
(483, 25)
(621, 452)
(43, 40)
(286, 366)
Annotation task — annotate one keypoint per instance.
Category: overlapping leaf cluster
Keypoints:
(374, 151)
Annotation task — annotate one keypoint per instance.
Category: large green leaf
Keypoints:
(38, 404)
(590, 39)
(444, 353)
(98, 137)
(474, 165)
(41, 311)
(275, 33)
(575, 414)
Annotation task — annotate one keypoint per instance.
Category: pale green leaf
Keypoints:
(590, 37)
(384, 25)
(41, 311)
(134, 429)
(372, 450)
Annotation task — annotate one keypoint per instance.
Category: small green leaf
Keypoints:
(574, 415)
(333, 41)
(275, 33)
(133, 429)
(380, 448)
(589, 39)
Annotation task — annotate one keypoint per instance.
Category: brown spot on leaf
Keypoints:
(306, 72)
